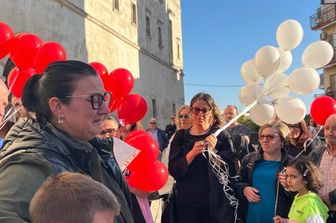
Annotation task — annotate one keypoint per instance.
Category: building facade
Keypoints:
(325, 20)
(143, 36)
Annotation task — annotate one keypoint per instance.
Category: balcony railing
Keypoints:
(323, 17)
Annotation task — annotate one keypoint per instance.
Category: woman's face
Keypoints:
(184, 118)
(201, 113)
(270, 140)
(80, 119)
(295, 131)
(109, 129)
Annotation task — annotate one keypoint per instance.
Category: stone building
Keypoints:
(143, 36)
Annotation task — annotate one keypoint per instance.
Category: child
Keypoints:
(304, 177)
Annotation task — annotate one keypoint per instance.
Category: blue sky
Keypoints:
(219, 36)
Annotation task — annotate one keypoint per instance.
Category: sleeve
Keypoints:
(20, 178)
(332, 197)
(177, 166)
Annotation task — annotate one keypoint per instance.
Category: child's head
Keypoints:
(73, 197)
(302, 174)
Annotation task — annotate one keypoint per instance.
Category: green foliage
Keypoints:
(248, 122)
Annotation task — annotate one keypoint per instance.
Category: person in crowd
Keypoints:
(171, 127)
(200, 196)
(298, 141)
(69, 103)
(312, 128)
(73, 197)
(240, 134)
(324, 158)
(158, 134)
(110, 128)
(183, 117)
(3, 99)
(304, 178)
(262, 186)
(141, 209)
(18, 108)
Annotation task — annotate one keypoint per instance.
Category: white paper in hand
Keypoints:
(124, 153)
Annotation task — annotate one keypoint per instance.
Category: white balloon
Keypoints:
(286, 60)
(249, 93)
(290, 109)
(262, 113)
(276, 85)
(303, 80)
(289, 34)
(317, 54)
(267, 60)
(249, 72)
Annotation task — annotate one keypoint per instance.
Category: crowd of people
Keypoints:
(57, 161)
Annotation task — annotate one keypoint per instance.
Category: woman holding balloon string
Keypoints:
(200, 196)
(262, 185)
(299, 141)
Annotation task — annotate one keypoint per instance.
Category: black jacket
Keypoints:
(284, 199)
(46, 149)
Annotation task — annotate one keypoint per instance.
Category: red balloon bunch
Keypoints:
(321, 108)
(17, 79)
(100, 69)
(147, 173)
(132, 108)
(6, 39)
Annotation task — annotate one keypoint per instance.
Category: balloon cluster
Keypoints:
(146, 172)
(269, 65)
(30, 55)
(130, 107)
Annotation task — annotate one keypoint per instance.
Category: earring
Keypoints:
(60, 118)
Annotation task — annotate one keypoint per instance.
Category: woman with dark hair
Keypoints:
(299, 140)
(200, 196)
(69, 104)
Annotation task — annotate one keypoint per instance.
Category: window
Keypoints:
(178, 50)
(160, 37)
(116, 5)
(174, 108)
(148, 32)
(170, 36)
(134, 14)
(154, 108)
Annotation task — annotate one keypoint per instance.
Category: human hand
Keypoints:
(278, 219)
(283, 179)
(211, 141)
(251, 194)
(198, 148)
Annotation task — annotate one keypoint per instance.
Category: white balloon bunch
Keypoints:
(270, 63)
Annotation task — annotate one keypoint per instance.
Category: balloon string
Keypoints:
(12, 84)
(223, 176)
(8, 116)
(248, 108)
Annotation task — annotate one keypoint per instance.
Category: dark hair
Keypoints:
(58, 80)
(71, 197)
(310, 172)
(304, 134)
(211, 102)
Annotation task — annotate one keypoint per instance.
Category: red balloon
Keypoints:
(100, 69)
(120, 82)
(49, 52)
(321, 108)
(24, 52)
(6, 39)
(132, 109)
(136, 133)
(151, 180)
(149, 151)
(114, 103)
(17, 79)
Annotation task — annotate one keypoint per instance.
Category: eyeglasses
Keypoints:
(107, 131)
(269, 137)
(294, 126)
(183, 116)
(152, 123)
(197, 110)
(95, 99)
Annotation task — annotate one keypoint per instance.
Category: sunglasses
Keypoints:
(107, 131)
(269, 137)
(183, 116)
(196, 110)
(95, 99)
(152, 123)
